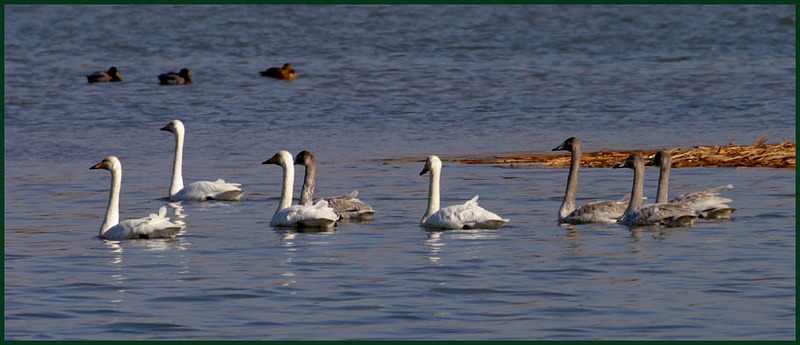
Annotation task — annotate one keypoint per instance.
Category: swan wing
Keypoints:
(703, 194)
(318, 215)
(348, 206)
(445, 218)
(707, 203)
(153, 226)
(466, 216)
(604, 211)
(209, 190)
(669, 214)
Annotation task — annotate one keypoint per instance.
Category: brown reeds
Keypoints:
(757, 155)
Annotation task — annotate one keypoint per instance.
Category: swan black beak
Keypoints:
(560, 148)
(424, 170)
(167, 128)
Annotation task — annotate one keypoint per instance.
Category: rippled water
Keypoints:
(378, 83)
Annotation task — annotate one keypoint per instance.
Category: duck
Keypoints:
(172, 78)
(199, 190)
(706, 203)
(286, 72)
(665, 214)
(347, 206)
(464, 216)
(154, 226)
(112, 75)
(604, 211)
(318, 216)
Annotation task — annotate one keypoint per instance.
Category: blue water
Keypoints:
(379, 88)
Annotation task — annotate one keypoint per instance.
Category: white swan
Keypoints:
(605, 211)
(668, 214)
(706, 203)
(154, 226)
(318, 215)
(347, 206)
(200, 190)
(466, 216)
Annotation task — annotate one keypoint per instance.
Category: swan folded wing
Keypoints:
(317, 215)
(205, 190)
(604, 211)
(703, 194)
(668, 214)
(707, 204)
(153, 226)
(349, 206)
(351, 195)
(466, 216)
(446, 218)
(221, 181)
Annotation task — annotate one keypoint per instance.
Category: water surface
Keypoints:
(378, 83)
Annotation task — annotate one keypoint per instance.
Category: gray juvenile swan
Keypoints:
(668, 214)
(605, 211)
(347, 206)
(706, 203)
(154, 226)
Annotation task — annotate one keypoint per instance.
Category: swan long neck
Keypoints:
(663, 183)
(433, 193)
(112, 211)
(177, 165)
(288, 185)
(307, 195)
(568, 205)
(637, 192)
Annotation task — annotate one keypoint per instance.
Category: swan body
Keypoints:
(636, 214)
(154, 226)
(112, 75)
(172, 78)
(200, 190)
(707, 204)
(318, 215)
(286, 72)
(465, 216)
(347, 206)
(605, 211)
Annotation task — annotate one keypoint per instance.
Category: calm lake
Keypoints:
(380, 88)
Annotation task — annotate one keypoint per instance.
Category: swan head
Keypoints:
(176, 127)
(661, 158)
(570, 144)
(304, 158)
(282, 158)
(109, 163)
(432, 164)
(631, 162)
